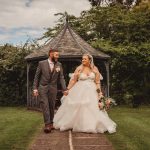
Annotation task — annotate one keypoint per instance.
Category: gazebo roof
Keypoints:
(69, 44)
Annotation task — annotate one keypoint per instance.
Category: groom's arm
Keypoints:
(37, 77)
(61, 79)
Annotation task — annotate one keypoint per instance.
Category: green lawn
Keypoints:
(17, 127)
(133, 131)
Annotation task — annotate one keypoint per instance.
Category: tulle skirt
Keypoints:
(80, 112)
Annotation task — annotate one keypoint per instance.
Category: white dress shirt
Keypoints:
(51, 64)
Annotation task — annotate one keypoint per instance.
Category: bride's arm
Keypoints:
(73, 79)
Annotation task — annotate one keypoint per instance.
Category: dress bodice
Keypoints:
(84, 76)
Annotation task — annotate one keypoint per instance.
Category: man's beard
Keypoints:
(54, 60)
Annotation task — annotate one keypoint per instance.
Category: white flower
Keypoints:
(57, 69)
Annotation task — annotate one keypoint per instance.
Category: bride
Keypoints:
(79, 110)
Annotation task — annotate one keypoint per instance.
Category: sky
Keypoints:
(27, 19)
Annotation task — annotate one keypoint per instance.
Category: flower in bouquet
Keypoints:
(106, 102)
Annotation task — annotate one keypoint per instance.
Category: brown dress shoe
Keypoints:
(47, 129)
(52, 127)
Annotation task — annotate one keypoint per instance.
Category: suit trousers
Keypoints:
(48, 95)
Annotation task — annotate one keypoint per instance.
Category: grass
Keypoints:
(133, 130)
(18, 126)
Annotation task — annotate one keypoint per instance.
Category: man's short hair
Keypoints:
(52, 50)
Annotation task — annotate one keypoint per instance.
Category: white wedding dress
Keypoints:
(79, 110)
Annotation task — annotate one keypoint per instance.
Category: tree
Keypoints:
(13, 75)
(126, 3)
(125, 36)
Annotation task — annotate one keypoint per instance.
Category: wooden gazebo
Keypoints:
(71, 47)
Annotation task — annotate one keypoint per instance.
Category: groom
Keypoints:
(48, 73)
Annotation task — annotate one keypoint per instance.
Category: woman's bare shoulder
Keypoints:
(96, 70)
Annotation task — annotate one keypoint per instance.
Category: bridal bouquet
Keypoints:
(106, 102)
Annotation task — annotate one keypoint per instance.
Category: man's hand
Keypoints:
(35, 93)
(66, 92)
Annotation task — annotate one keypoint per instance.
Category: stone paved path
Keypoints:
(70, 141)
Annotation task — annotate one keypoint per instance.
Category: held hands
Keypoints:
(66, 92)
(35, 93)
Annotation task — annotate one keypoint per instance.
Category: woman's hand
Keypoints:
(100, 95)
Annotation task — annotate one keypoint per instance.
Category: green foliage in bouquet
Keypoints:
(106, 103)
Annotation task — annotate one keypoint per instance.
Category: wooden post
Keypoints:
(107, 70)
(28, 99)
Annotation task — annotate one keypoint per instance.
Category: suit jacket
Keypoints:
(44, 76)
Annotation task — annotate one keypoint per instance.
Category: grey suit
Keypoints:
(46, 82)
